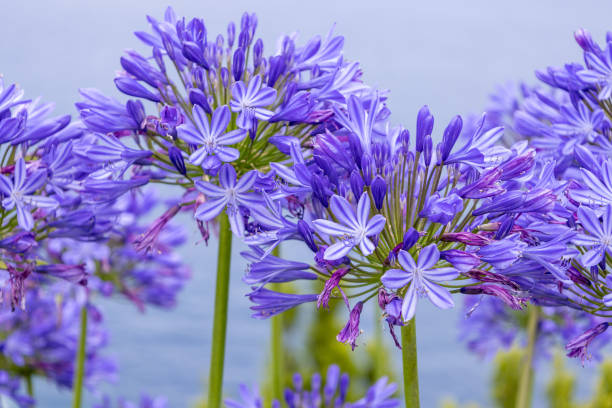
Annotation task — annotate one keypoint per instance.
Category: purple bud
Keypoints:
(467, 238)
(403, 141)
(424, 127)
(427, 149)
(366, 168)
(344, 384)
(19, 243)
(137, 112)
(306, 233)
(197, 97)
(231, 34)
(585, 41)
(355, 148)
(130, 86)
(410, 238)
(451, 133)
(461, 260)
(319, 190)
(176, 157)
(159, 59)
(518, 166)
(379, 190)
(505, 228)
(257, 53)
(238, 64)
(356, 184)
(72, 273)
(224, 76)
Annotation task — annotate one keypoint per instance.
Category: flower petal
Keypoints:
(210, 209)
(331, 228)
(405, 259)
(396, 278)
(337, 251)
(343, 211)
(438, 295)
(428, 256)
(409, 303)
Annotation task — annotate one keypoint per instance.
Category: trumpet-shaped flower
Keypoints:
(423, 278)
(230, 195)
(599, 238)
(210, 137)
(354, 228)
(18, 194)
(250, 101)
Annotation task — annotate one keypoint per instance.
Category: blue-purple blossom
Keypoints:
(19, 194)
(323, 393)
(211, 139)
(230, 195)
(250, 101)
(423, 279)
(354, 229)
(599, 237)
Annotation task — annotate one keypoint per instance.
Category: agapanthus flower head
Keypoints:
(219, 93)
(380, 215)
(325, 393)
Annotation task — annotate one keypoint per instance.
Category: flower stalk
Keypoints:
(217, 358)
(409, 364)
(277, 347)
(79, 371)
(523, 399)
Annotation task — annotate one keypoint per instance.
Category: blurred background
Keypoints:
(449, 55)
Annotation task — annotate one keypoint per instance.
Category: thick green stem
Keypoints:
(523, 396)
(217, 356)
(409, 363)
(277, 349)
(79, 370)
(29, 385)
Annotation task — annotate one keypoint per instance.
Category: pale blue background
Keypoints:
(447, 54)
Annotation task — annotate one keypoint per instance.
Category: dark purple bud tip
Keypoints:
(379, 190)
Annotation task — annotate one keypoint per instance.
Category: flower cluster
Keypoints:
(567, 120)
(224, 111)
(134, 261)
(42, 340)
(332, 393)
(387, 219)
(490, 327)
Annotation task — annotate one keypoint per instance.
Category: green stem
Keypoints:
(523, 398)
(79, 370)
(217, 357)
(277, 349)
(29, 385)
(409, 363)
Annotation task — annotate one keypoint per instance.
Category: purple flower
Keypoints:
(441, 209)
(422, 277)
(330, 285)
(354, 228)
(599, 72)
(250, 102)
(230, 195)
(18, 193)
(351, 331)
(211, 138)
(269, 303)
(599, 239)
(578, 346)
